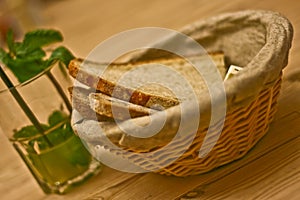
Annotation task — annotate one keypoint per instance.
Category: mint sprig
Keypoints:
(41, 37)
(56, 136)
(28, 58)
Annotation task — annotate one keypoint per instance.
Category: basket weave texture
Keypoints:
(257, 40)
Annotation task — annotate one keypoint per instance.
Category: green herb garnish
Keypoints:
(56, 136)
(28, 58)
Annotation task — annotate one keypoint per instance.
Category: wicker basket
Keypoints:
(259, 41)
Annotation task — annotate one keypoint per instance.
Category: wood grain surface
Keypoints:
(270, 171)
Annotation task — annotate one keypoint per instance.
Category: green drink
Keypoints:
(58, 159)
(35, 113)
(57, 165)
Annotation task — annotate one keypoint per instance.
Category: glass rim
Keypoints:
(37, 76)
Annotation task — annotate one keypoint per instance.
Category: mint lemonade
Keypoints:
(57, 159)
(62, 162)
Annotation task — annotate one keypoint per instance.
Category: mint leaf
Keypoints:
(10, 42)
(31, 132)
(24, 69)
(27, 59)
(28, 131)
(56, 136)
(57, 117)
(4, 57)
(62, 132)
(39, 38)
(62, 54)
(20, 50)
(36, 54)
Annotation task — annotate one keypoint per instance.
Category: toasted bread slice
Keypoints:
(106, 79)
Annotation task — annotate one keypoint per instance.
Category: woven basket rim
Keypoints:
(266, 66)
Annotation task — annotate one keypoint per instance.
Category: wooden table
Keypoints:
(270, 171)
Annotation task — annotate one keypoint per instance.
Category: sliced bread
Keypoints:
(142, 86)
(81, 103)
(100, 107)
(116, 108)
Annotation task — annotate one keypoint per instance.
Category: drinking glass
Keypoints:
(35, 116)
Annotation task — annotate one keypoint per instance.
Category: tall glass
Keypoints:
(42, 134)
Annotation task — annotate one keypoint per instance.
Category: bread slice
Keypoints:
(117, 109)
(81, 103)
(106, 79)
(100, 107)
